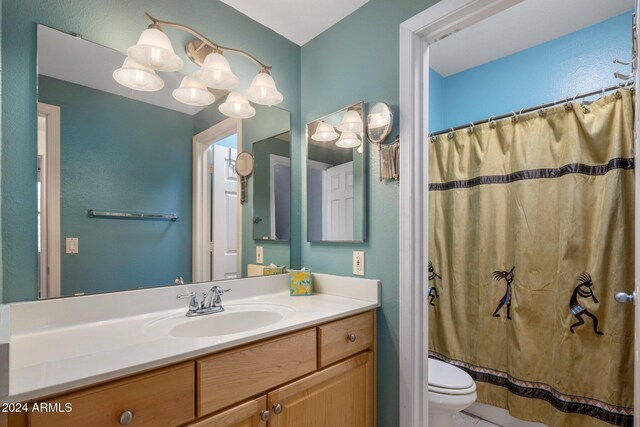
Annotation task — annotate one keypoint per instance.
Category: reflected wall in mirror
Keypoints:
(336, 177)
(105, 147)
(272, 188)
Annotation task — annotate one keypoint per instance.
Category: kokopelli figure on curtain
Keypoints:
(583, 290)
(506, 299)
(433, 291)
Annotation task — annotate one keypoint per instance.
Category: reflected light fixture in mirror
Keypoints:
(348, 140)
(324, 132)
(237, 106)
(351, 122)
(154, 51)
(137, 76)
(192, 92)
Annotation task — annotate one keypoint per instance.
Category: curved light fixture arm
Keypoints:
(205, 40)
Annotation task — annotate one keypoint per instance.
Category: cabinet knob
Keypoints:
(351, 337)
(277, 408)
(126, 418)
(264, 415)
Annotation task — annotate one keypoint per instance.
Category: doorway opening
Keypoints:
(48, 182)
(216, 207)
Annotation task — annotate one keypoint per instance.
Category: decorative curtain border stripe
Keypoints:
(616, 415)
(572, 168)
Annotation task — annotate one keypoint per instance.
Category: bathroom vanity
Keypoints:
(277, 361)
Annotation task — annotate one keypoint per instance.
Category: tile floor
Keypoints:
(462, 419)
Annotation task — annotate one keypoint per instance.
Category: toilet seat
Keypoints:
(445, 378)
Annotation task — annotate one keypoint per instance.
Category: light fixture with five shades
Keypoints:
(154, 52)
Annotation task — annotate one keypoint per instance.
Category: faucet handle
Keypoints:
(219, 291)
(193, 303)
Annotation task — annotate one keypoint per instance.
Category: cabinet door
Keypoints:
(248, 414)
(339, 396)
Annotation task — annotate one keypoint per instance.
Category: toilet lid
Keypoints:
(443, 376)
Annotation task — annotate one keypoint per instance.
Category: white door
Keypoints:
(339, 202)
(224, 213)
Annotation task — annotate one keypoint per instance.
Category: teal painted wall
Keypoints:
(116, 24)
(578, 62)
(357, 59)
(122, 154)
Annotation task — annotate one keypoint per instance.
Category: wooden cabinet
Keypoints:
(235, 375)
(317, 377)
(338, 396)
(159, 398)
(343, 338)
(250, 414)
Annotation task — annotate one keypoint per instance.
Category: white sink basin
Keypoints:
(235, 319)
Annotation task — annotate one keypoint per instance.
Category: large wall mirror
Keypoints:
(123, 200)
(336, 177)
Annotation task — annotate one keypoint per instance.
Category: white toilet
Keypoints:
(451, 390)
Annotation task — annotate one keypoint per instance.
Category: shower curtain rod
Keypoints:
(537, 107)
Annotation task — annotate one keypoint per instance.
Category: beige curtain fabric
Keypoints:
(531, 235)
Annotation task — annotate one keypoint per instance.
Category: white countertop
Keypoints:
(49, 353)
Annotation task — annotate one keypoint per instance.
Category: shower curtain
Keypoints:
(531, 235)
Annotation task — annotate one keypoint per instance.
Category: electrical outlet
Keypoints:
(358, 263)
(259, 255)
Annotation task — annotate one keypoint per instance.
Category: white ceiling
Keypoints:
(522, 26)
(65, 57)
(297, 20)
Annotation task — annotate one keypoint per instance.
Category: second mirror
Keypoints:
(336, 177)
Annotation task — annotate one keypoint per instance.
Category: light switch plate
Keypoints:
(358, 263)
(259, 255)
(72, 245)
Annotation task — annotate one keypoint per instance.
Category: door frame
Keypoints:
(416, 33)
(50, 209)
(201, 263)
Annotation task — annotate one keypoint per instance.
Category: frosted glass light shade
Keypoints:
(378, 120)
(351, 122)
(348, 140)
(155, 51)
(237, 106)
(216, 73)
(192, 92)
(324, 132)
(137, 76)
(263, 91)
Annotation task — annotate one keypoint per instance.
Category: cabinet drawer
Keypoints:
(164, 397)
(235, 375)
(334, 341)
(248, 414)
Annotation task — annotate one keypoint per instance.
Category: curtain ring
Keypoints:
(542, 112)
(514, 118)
(471, 128)
(450, 134)
(568, 106)
(492, 123)
(586, 109)
(434, 138)
(618, 93)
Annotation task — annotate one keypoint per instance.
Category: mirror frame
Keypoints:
(365, 173)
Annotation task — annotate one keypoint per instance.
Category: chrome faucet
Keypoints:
(214, 305)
